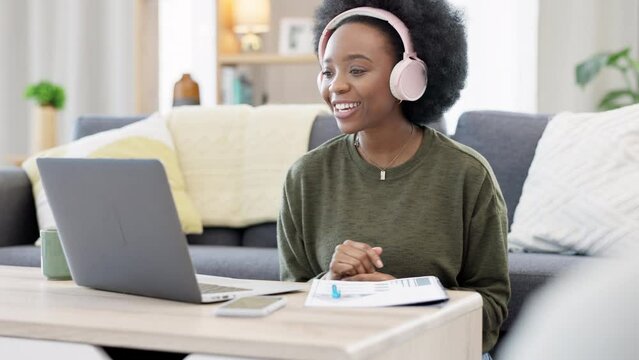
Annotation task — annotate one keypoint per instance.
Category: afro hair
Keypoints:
(439, 38)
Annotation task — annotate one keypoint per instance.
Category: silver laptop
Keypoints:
(120, 232)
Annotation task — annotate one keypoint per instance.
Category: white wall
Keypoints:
(187, 39)
(502, 48)
(570, 31)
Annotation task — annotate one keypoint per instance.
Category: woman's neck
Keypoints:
(390, 145)
(385, 139)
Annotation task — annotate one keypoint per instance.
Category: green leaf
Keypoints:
(587, 70)
(613, 58)
(611, 100)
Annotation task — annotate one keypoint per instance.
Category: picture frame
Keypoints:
(296, 36)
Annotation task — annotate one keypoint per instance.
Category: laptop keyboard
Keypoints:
(214, 289)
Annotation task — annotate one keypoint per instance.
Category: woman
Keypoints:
(392, 198)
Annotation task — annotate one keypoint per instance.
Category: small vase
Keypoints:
(44, 132)
(186, 92)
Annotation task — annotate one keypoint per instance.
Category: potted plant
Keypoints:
(620, 61)
(50, 98)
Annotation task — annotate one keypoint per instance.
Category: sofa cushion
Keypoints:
(238, 262)
(20, 255)
(582, 190)
(508, 141)
(261, 235)
(529, 271)
(217, 236)
(231, 261)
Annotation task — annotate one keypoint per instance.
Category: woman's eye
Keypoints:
(357, 71)
(327, 73)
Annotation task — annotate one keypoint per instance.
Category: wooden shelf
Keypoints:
(262, 69)
(265, 58)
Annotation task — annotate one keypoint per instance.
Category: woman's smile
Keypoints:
(344, 109)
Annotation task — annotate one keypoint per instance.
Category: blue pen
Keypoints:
(336, 293)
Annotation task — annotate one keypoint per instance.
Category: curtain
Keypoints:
(87, 46)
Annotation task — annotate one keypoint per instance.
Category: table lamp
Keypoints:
(252, 17)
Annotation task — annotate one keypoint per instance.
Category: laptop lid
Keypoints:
(119, 227)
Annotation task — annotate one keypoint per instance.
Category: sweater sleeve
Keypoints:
(485, 268)
(294, 264)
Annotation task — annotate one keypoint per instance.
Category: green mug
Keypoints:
(54, 263)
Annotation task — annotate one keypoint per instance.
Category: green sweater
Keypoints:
(441, 213)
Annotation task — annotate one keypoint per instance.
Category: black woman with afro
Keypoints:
(391, 197)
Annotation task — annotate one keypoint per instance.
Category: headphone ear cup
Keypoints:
(319, 81)
(408, 80)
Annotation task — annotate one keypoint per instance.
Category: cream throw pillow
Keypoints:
(235, 158)
(148, 138)
(582, 190)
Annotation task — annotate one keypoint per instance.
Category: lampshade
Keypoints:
(251, 16)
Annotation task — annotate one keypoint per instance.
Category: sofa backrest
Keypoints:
(508, 141)
(324, 127)
(93, 124)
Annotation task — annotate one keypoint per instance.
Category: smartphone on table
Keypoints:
(251, 306)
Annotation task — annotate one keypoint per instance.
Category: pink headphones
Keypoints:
(409, 77)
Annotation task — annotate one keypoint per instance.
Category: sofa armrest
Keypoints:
(18, 223)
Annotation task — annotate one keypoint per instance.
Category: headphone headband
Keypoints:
(387, 16)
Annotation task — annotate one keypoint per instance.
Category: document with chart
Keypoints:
(416, 290)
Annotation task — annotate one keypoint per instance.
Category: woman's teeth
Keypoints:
(346, 106)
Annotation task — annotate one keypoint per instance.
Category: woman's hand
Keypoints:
(376, 276)
(352, 258)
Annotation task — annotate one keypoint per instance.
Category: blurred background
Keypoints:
(122, 57)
